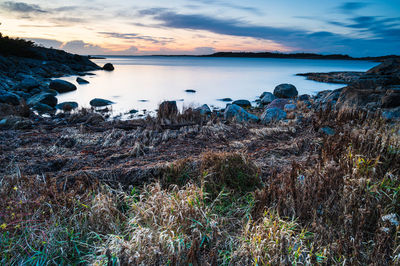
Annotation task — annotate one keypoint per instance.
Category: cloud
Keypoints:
(228, 4)
(135, 36)
(20, 7)
(84, 48)
(349, 7)
(377, 33)
(47, 42)
(204, 50)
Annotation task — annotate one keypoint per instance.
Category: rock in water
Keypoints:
(62, 86)
(44, 98)
(9, 98)
(108, 67)
(225, 100)
(67, 106)
(167, 109)
(190, 91)
(272, 114)
(285, 91)
(81, 80)
(267, 98)
(28, 84)
(236, 112)
(97, 102)
(242, 103)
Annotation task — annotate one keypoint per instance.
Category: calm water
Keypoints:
(143, 82)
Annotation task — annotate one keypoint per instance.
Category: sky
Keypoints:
(193, 27)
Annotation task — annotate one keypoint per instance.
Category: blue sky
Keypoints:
(358, 28)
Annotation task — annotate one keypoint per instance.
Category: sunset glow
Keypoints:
(204, 27)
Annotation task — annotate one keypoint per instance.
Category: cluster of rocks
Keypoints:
(275, 106)
(30, 80)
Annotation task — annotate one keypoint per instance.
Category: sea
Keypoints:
(142, 82)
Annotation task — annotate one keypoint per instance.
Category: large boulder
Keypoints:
(62, 86)
(44, 98)
(97, 102)
(9, 98)
(167, 109)
(267, 98)
(272, 114)
(236, 112)
(242, 103)
(285, 91)
(108, 67)
(278, 103)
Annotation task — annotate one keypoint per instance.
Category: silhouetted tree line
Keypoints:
(17, 47)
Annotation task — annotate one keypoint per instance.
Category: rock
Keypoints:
(23, 95)
(278, 103)
(43, 108)
(242, 103)
(167, 109)
(392, 114)
(327, 131)
(285, 91)
(108, 67)
(267, 98)
(45, 98)
(67, 106)
(190, 91)
(28, 84)
(62, 86)
(272, 114)
(304, 97)
(16, 122)
(204, 109)
(327, 98)
(225, 100)
(133, 111)
(97, 102)
(52, 92)
(81, 80)
(236, 112)
(9, 98)
(290, 107)
(391, 99)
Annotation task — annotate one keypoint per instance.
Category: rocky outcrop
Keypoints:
(334, 77)
(285, 91)
(378, 88)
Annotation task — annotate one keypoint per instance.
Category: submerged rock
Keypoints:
(285, 91)
(67, 106)
(225, 100)
(236, 112)
(62, 86)
(242, 103)
(190, 91)
(272, 114)
(97, 102)
(108, 67)
(81, 80)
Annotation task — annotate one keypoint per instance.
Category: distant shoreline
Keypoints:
(264, 55)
